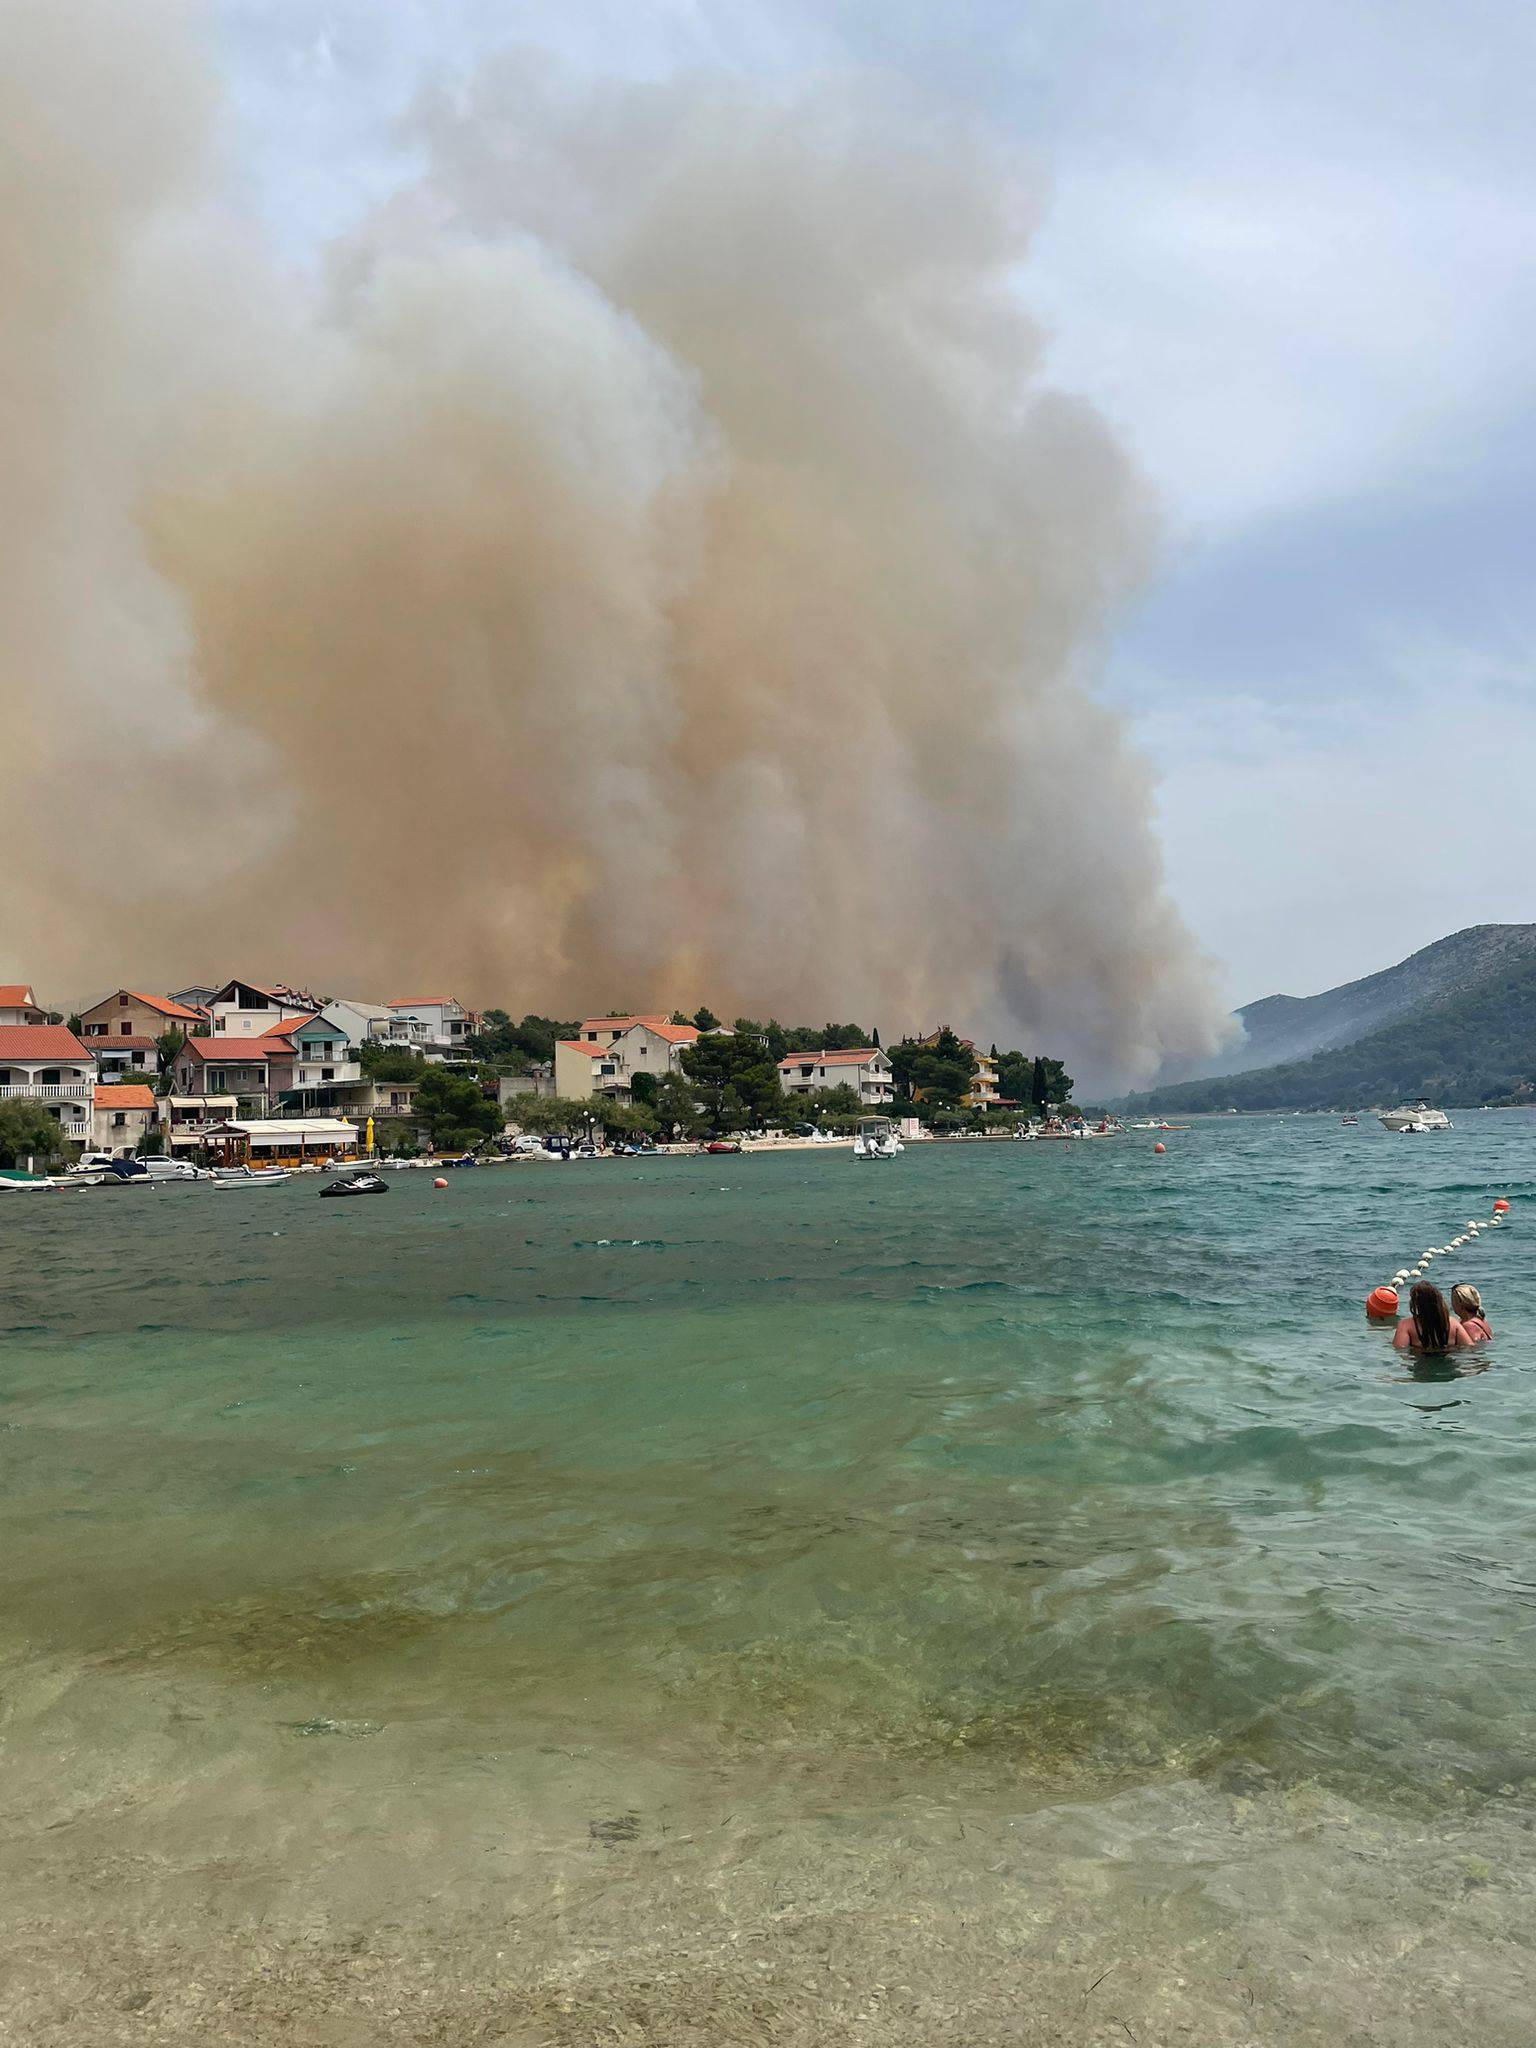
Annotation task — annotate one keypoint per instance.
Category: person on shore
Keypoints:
(1429, 1324)
(1467, 1304)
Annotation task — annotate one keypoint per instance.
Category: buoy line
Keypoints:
(1381, 1302)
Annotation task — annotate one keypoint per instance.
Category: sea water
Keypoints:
(1008, 1593)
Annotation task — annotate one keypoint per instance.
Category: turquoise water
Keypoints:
(633, 1578)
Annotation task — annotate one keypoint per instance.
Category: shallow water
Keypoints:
(742, 1598)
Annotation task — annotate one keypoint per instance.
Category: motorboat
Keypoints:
(357, 1184)
(877, 1139)
(722, 1145)
(249, 1176)
(1351, 1120)
(1418, 1117)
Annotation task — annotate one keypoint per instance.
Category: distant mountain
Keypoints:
(1455, 1023)
(1282, 1028)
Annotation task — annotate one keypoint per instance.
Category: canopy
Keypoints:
(307, 1130)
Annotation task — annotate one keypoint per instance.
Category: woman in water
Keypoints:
(1429, 1324)
(1467, 1303)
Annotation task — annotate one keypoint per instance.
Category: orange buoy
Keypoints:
(1499, 1206)
(439, 1183)
(1381, 1304)
(1159, 1146)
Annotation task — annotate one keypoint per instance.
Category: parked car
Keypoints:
(159, 1167)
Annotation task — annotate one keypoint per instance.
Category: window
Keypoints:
(122, 1001)
(125, 1029)
(119, 1118)
(327, 1073)
(592, 1037)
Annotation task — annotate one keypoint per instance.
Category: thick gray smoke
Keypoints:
(647, 568)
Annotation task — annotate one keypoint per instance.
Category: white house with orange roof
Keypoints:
(122, 1111)
(863, 1068)
(18, 1005)
(48, 1064)
(610, 1051)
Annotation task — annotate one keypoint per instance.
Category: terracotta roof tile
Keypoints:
(161, 1003)
(17, 995)
(41, 1042)
(124, 1095)
(853, 1056)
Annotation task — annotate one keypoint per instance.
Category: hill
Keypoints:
(1470, 1039)
(1280, 1029)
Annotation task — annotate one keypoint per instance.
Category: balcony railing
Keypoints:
(51, 1091)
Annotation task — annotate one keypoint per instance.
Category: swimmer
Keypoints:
(1467, 1303)
(1429, 1324)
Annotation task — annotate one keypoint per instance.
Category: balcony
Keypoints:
(49, 1091)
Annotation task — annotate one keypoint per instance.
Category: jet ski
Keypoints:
(357, 1184)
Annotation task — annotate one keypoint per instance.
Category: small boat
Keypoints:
(1351, 1120)
(721, 1145)
(249, 1176)
(357, 1184)
(877, 1139)
(1420, 1117)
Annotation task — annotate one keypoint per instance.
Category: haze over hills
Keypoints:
(1453, 1023)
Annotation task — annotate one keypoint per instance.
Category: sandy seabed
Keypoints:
(1251, 1919)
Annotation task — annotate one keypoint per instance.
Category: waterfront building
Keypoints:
(864, 1068)
(121, 1112)
(609, 1051)
(49, 1064)
(255, 1071)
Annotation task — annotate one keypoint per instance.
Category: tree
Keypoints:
(1015, 1076)
(681, 1017)
(73, 1023)
(939, 1073)
(513, 1048)
(735, 1077)
(390, 1062)
(27, 1131)
(1050, 1084)
(454, 1108)
(168, 1049)
(706, 1020)
(675, 1106)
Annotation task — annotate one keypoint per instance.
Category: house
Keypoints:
(48, 1064)
(122, 1028)
(863, 1068)
(247, 1009)
(610, 1051)
(197, 997)
(328, 1075)
(256, 1071)
(127, 1014)
(121, 1113)
(436, 1026)
(18, 1005)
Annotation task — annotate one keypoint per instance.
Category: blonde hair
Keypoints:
(1466, 1301)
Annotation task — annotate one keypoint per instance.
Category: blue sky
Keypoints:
(1289, 253)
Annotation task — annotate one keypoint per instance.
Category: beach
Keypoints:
(1007, 1594)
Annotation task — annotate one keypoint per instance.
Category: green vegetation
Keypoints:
(734, 1077)
(938, 1075)
(1478, 1045)
(168, 1049)
(513, 1048)
(389, 1062)
(454, 1109)
(27, 1131)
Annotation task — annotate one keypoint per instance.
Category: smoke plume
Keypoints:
(642, 565)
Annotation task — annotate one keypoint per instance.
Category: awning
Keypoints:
(297, 1130)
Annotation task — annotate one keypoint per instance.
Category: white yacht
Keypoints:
(1420, 1117)
(877, 1139)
